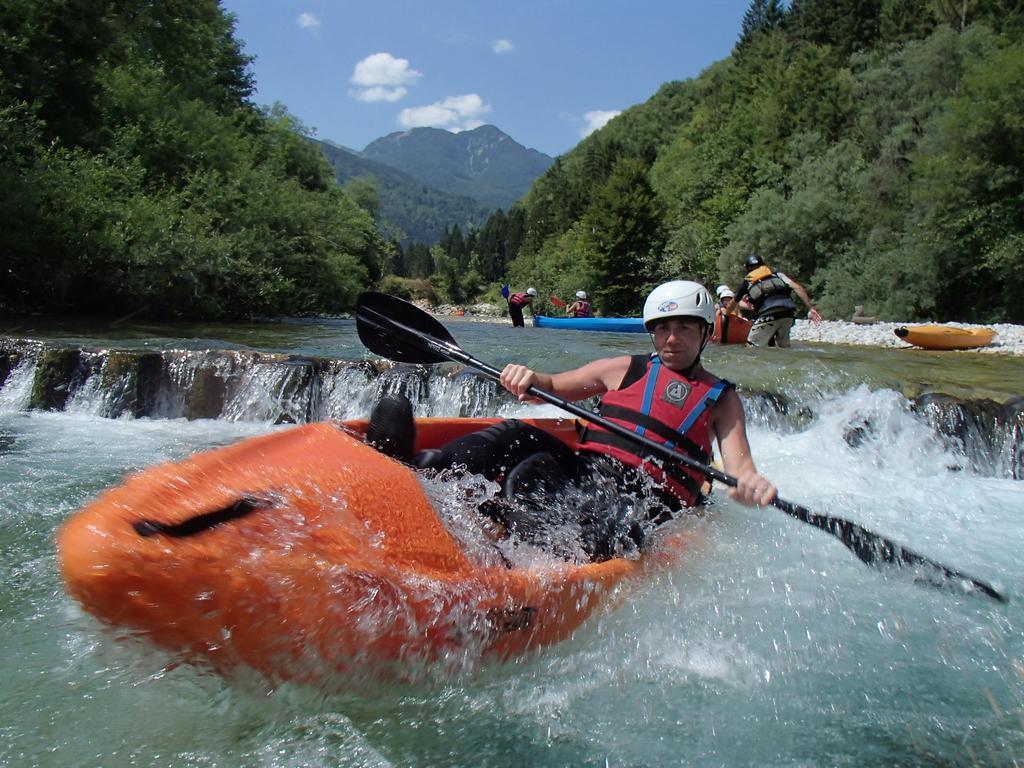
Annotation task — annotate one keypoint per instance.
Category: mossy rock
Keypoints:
(205, 398)
(54, 378)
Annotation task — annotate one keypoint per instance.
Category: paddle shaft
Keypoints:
(459, 355)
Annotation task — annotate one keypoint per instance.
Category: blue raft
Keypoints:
(607, 324)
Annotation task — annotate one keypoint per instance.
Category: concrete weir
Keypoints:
(239, 385)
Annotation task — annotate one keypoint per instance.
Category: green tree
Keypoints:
(760, 16)
(624, 225)
(363, 191)
(970, 196)
(139, 177)
(845, 25)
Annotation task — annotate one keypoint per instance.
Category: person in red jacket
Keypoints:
(618, 493)
(517, 302)
(581, 307)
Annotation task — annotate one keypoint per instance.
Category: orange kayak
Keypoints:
(730, 329)
(945, 336)
(305, 552)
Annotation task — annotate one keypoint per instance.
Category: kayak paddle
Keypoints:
(556, 301)
(400, 331)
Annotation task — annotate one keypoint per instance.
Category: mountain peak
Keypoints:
(484, 163)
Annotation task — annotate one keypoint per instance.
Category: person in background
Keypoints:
(771, 294)
(724, 292)
(731, 327)
(517, 302)
(581, 307)
(618, 491)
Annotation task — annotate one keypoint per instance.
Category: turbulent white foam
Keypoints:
(92, 397)
(764, 627)
(270, 392)
(17, 389)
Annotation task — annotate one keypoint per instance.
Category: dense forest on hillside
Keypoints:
(872, 149)
(137, 177)
(869, 148)
(404, 209)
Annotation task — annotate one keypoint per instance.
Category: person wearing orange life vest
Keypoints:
(617, 493)
(517, 302)
(770, 292)
(581, 307)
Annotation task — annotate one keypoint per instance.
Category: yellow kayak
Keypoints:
(945, 336)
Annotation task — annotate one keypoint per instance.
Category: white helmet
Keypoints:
(724, 292)
(679, 298)
(531, 291)
(581, 294)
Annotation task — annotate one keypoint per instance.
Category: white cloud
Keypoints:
(378, 93)
(502, 46)
(467, 125)
(597, 119)
(382, 77)
(308, 21)
(456, 113)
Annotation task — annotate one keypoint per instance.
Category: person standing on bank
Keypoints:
(516, 303)
(771, 294)
(581, 307)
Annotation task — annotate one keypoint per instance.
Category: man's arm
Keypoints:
(800, 291)
(740, 299)
(594, 378)
(729, 424)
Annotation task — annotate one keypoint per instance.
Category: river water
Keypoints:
(769, 645)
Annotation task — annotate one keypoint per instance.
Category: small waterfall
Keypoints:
(347, 391)
(270, 391)
(467, 394)
(247, 386)
(990, 435)
(16, 388)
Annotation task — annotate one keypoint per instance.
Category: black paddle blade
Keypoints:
(400, 331)
(885, 554)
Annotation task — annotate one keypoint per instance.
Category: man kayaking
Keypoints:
(610, 489)
(581, 307)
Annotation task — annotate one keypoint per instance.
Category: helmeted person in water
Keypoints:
(771, 293)
(581, 307)
(519, 301)
(616, 492)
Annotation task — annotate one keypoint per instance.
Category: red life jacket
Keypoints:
(582, 309)
(665, 407)
(518, 299)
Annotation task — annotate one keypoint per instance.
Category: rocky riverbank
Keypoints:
(1009, 338)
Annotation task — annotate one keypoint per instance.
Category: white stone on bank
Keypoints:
(1009, 338)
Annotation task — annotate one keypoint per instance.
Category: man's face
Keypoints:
(677, 341)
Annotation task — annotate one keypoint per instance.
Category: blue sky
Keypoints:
(546, 72)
